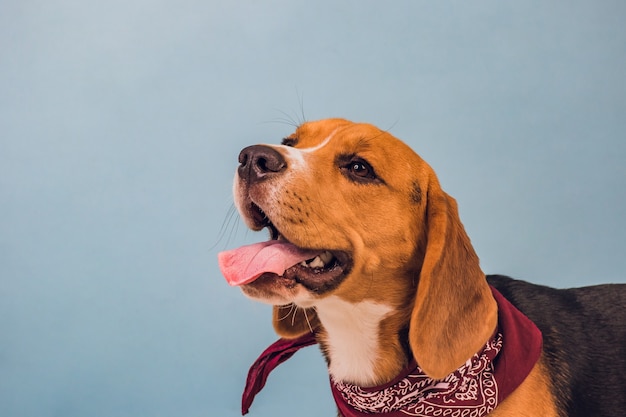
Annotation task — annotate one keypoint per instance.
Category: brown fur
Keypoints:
(408, 248)
(532, 398)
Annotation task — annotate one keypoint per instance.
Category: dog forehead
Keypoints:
(297, 156)
(340, 136)
(312, 134)
(324, 140)
(343, 133)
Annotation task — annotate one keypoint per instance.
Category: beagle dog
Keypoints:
(368, 257)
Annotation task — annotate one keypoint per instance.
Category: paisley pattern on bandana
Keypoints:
(470, 391)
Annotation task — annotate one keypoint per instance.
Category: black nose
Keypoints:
(259, 162)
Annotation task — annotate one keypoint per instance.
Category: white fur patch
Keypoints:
(353, 337)
(296, 156)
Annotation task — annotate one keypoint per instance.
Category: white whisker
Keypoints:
(291, 309)
(306, 317)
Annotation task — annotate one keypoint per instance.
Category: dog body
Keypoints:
(393, 276)
(584, 343)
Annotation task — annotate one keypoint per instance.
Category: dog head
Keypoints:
(372, 222)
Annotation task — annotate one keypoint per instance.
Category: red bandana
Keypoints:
(475, 389)
(471, 389)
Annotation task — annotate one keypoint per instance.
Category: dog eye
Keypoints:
(289, 141)
(360, 170)
(357, 169)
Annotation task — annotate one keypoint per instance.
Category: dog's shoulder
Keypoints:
(584, 337)
(603, 306)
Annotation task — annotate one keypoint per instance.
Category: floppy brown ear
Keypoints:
(454, 313)
(290, 321)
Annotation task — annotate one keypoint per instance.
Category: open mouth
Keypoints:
(317, 269)
(322, 273)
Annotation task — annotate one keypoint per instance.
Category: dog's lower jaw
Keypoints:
(352, 341)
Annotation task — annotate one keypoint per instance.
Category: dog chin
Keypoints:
(278, 295)
(264, 297)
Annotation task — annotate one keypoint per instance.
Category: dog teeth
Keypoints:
(326, 257)
(316, 263)
(320, 261)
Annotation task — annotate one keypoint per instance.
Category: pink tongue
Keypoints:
(245, 264)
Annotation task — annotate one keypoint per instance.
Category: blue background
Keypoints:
(121, 121)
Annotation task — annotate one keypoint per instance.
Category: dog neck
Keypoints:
(351, 339)
(516, 360)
